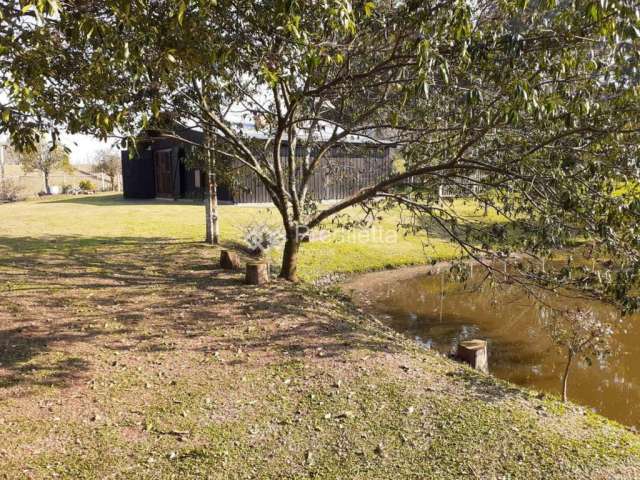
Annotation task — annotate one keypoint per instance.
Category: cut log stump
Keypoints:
(474, 352)
(257, 273)
(229, 260)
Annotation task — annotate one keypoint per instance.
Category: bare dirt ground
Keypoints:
(139, 358)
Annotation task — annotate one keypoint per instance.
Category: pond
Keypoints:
(440, 313)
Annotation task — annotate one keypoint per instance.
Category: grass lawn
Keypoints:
(83, 221)
(125, 353)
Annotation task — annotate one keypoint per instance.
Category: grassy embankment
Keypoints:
(125, 352)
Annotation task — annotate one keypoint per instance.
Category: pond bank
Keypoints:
(423, 304)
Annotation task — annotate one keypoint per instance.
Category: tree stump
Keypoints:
(474, 352)
(229, 260)
(257, 273)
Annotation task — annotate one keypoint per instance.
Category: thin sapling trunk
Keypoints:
(565, 376)
(47, 188)
(211, 201)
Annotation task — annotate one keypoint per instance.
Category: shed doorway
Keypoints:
(164, 177)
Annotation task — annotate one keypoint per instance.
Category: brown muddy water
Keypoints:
(440, 314)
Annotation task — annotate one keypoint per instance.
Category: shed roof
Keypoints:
(251, 131)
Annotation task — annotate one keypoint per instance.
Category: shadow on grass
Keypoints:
(118, 200)
(486, 388)
(82, 295)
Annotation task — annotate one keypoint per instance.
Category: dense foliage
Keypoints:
(529, 107)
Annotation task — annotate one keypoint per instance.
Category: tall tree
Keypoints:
(108, 163)
(530, 107)
(28, 46)
(527, 101)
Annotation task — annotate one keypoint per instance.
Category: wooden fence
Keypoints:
(343, 172)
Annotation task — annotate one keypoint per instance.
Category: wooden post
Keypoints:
(474, 352)
(229, 260)
(257, 273)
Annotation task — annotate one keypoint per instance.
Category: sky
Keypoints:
(84, 147)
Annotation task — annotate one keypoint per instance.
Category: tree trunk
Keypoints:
(565, 376)
(47, 188)
(289, 269)
(257, 273)
(211, 202)
(211, 212)
(2, 174)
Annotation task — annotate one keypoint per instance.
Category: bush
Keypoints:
(67, 189)
(87, 186)
(10, 191)
(261, 237)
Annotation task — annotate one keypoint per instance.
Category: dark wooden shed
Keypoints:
(158, 170)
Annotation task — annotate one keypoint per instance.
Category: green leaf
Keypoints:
(444, 71)
(270, 76)
(394, 119)
(369, 8)
(181, 11)
(54, 7)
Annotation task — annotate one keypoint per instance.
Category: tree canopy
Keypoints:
(528, 107)
(45, 158)
(108, 163)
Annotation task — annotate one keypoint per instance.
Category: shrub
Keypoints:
(87, 186)
(10, 191)
(67, 189)
(261, 237)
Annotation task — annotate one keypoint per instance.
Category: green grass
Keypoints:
(85, 219)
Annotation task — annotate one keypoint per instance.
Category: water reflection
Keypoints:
(440, 315)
